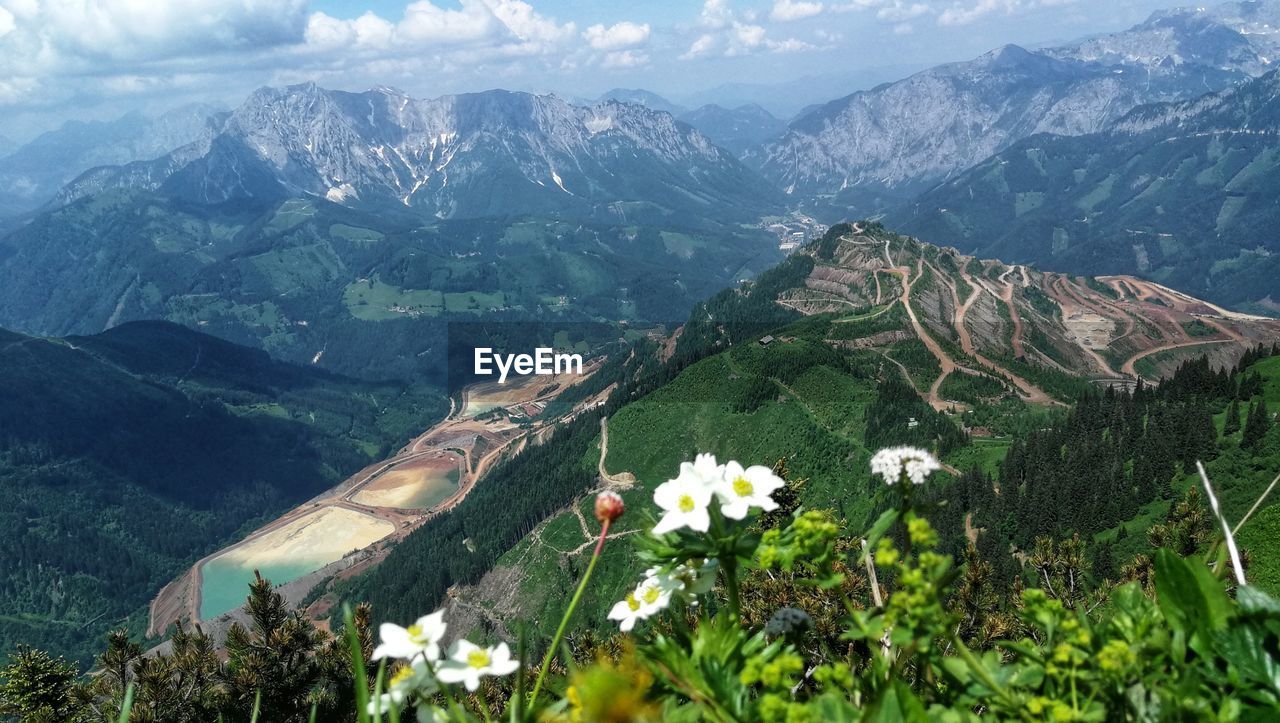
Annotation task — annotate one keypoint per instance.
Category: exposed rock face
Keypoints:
(1181, 192)
(479, 154)
(902, 137)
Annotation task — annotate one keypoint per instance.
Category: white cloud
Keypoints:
(899, 11)
(424, 22)
(715, 14)
(964, 12)
(625, 59)
(787, 10)
(615, 37)
(700, 47)
(728, 34)
(54, 35)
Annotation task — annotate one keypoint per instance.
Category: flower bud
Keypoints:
(609, 507)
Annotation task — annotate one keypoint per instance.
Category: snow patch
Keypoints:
(556, 177)
(597, 124)
(340, 193)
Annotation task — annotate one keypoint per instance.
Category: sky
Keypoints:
(97, 59)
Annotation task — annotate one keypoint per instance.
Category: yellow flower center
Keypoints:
(742, 487)
(651, 595)
(478, 658)
(687, 504)
(632, 602)
(401, 675)
(417, 634)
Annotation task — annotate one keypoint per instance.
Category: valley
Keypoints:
(352, 526)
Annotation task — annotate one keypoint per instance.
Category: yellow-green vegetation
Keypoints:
(355, 233)
(290, 213)
(372, 300)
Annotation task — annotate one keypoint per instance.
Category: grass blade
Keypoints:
(127, 705)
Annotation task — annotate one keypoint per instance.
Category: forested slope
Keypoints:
(126, 455)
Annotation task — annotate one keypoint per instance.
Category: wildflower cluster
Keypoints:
(686, 500)
(704, 495)
(896, 464)
(896, 652)
(422, 669)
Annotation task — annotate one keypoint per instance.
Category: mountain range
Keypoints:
(1184, 193)
(862, 152)
(495, 153)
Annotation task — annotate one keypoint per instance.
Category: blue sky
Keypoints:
(99, 58)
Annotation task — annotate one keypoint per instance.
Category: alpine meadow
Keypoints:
(368, 361)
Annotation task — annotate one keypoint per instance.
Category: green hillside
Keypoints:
(126, 455)
(1109, 460)
(360, 293)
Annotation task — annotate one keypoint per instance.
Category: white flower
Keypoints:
(421, 638)
(741, 489)
(687, 579)
(892, 463)
(652, 595)
(704, 465)
(408, 679)
(468, 662)
(686, 497)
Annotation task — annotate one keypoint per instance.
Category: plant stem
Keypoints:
(568, 613)
(983, 674)
(729, 564)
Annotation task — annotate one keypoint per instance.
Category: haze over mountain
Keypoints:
(865, 150)
(1180, 192)
(31, 174)
(646, 98)
(736, 129)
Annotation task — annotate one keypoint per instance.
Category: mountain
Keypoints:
(1183, 193)
(1241, 36)
(495, 153)
(639, 96)
(861, 340)
(32, 174)
(874, 147)
(128, 454)
(736, 129)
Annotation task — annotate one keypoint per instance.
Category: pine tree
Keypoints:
(1256, 425)
(39, 688)
(273, 657)
(1233, 418)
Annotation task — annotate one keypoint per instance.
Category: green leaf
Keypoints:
(1256, 602)
(1189, 596)
(1245, 648)
(897, 704)
(882, 525)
